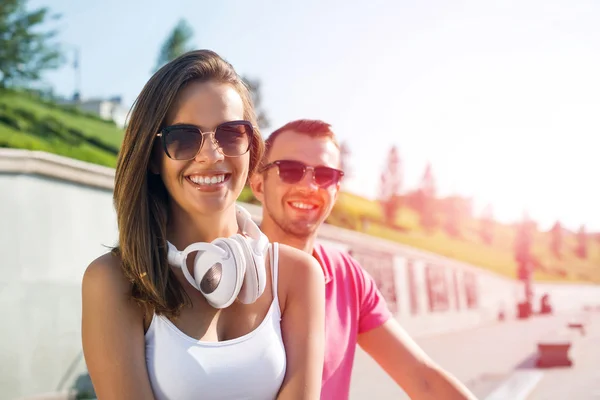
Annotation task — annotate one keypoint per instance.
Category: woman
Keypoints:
(149, 332)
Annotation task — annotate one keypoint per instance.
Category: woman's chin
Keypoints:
(214, 203)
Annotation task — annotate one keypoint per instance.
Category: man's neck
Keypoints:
(276, 234)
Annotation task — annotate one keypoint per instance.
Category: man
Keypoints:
(298, 185)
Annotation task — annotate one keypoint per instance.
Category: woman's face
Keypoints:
(211, 181)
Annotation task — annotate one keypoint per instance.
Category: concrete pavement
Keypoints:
(486, 357)
(582, 380)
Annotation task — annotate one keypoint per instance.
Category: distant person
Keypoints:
(298, 184)
(246, 320)
(545, 305)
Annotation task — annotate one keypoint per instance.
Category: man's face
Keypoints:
(298, 208)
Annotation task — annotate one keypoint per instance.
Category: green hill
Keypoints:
(27, 122)
(358, 213)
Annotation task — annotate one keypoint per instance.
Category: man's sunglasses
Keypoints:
(183, 142)
(293, 171)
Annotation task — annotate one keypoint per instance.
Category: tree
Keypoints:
(426, 200)
(525, 258)
(390, 185)
(176, 44)
(456, 210)
(486, 227)
(345, 160)
(26, 51)
(556, 239)
(254, 88)
(581, 250)
(523, 243)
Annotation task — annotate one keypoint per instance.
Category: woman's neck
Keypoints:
(185, 228)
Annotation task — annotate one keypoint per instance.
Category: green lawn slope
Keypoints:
(27, 122)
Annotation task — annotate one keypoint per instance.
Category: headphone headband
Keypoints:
(241, 257)
(260, 241)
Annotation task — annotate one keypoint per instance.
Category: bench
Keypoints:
(553, 349)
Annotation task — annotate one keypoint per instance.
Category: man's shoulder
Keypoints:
(337, 259)
(356, 290)
(330, 254)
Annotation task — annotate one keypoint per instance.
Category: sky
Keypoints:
(501, 97)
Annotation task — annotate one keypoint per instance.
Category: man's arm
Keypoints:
(398, 354)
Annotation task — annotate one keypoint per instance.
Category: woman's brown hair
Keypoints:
(140, 198)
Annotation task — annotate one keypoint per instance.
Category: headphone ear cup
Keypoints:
(223, 292)
(255, 278)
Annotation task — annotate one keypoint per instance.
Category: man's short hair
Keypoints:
(309, 127)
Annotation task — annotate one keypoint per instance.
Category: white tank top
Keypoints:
(248, 367)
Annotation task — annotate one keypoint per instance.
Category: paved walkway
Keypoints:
(582, 380)
(484, 358)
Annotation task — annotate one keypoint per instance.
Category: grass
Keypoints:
(30, 123)
(27, 122)
(496, 257)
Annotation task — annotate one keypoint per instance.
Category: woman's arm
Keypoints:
(303, 325)
(113, 333)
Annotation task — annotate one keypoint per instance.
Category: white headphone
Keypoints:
(227, 268)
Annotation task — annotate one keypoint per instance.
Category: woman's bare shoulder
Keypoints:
(112, 330)
(106, 290)
(298, 268)
(105, 273)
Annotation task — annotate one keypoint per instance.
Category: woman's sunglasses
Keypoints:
(293, 171)
(183, 142)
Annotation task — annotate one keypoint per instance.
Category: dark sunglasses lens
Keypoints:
(290, 171)
(234, 139)
(183, 143)
(325, 176)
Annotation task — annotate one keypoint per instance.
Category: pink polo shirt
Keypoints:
(353, 305)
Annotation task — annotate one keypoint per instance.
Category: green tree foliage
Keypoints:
(176, 44)
(26, 50)
(254, 85)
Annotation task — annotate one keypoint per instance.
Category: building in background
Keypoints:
(111, 109)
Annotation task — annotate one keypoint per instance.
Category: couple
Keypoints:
(245, 317)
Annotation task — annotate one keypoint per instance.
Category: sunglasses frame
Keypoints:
(305, 168)
(164, 132)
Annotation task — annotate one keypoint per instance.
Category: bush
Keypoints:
(8, 117)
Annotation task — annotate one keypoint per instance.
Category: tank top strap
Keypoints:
(274, 261)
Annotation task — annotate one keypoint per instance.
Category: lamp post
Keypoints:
(524, 266)
(76, 71)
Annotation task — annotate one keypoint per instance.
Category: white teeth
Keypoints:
(207, 180)
(303, 206)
